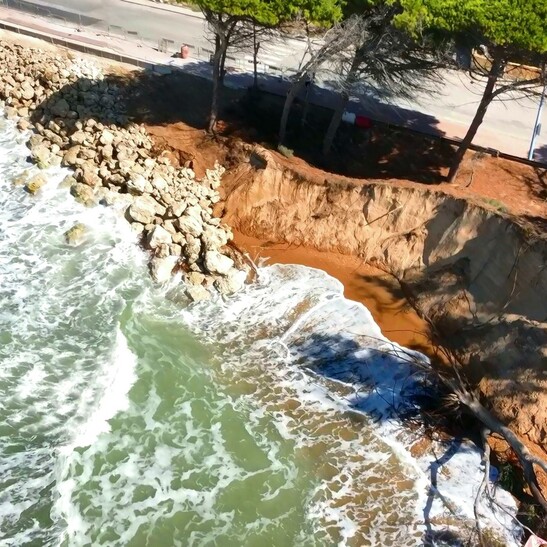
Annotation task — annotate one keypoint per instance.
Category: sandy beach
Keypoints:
(378, 291)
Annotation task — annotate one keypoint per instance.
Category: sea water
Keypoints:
(130, 417)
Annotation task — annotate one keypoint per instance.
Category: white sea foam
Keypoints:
(266, 418)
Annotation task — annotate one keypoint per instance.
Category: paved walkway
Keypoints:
(240, 75)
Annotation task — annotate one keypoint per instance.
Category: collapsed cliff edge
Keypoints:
(478, 275)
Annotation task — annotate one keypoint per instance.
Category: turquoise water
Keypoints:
(129, 417)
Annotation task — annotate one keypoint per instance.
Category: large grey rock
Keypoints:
(137, 184)
(214, 238)
(162, 268)
(67, 182)
(90, 176)
(217, 263)
(193, 249)
(23, 124)
(107, 151)
(159, 183)
(231, 283)
(158, 236)
(70, 157)
(42, 156)
(76, 234)
(194, 278)
(61, 108)
(10, 113)
(198, 293)
(189, 225)
(143, 209)
(27, 91)
(79, 137)
(83, 194)
(106, 138)
(177, 209)
(22, 179)
(34, 185)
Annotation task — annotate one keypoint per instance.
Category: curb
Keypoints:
(77, 46)
(166, 7)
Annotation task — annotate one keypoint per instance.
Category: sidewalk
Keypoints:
(239, 76)
(167, 7)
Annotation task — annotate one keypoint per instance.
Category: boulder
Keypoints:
(194, 278)
(76, 234)
(61, 108)
(177, 209)
(215, 262)
(79, 137)
(193, 249)
(231, 283)
(21, 179)
(27, 91)
(106, 138)
(162, 268)
(89, 175)
(10, 113)
(159, 183)
(67, 182)
(35, 184)
(23, 124)
(175, 249)
(70, 157)
(158, 236)
(197, 293)
(214, 238)
(107, 151)
(137, 184)
(83, 194)
(42, 156)
(137, 227)
(143, 209)
(189, 225)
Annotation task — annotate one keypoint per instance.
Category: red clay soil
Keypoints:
(498, 183)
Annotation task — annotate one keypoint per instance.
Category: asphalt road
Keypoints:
(507, 127)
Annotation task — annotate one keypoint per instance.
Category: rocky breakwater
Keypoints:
(78, 120)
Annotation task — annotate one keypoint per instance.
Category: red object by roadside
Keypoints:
(184, 52)
(363, 122)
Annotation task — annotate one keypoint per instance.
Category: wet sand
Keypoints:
(378, 291)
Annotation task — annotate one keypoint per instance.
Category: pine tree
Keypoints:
(509, 30)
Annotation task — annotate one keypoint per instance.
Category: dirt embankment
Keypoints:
(478, 274)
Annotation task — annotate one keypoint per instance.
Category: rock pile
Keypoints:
(79, 121)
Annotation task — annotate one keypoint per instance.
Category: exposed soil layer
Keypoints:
(470, 255)
(490, 310)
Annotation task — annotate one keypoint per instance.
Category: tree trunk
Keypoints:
(526, 459)
(222, 68)
(291, 96)
(256, 47)
(306, 107)
(217, 57)
(495, 70)
(335, 122)
(344, 98)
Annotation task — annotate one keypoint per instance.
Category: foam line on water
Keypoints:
(138, 417)
(340, 343)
